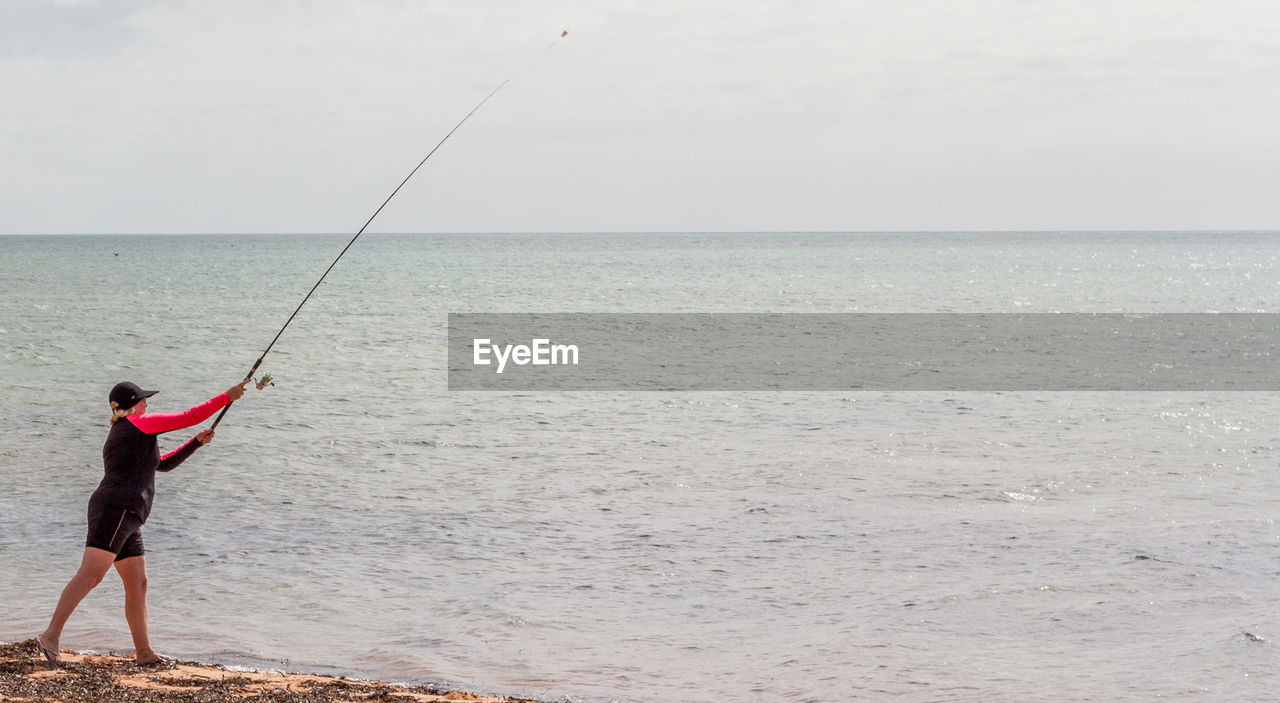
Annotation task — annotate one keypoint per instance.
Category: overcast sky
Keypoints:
(651, 115)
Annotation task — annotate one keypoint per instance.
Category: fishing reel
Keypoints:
(264, 381)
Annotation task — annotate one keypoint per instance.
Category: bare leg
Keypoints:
(133, 571)
(93, 566)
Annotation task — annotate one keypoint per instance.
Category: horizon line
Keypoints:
(656, 232)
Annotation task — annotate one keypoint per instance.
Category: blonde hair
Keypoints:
(118, 412)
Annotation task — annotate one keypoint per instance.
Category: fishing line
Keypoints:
(266, 379)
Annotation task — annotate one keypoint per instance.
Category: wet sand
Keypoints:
(25, 676)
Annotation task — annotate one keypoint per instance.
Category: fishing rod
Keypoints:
(266, 378)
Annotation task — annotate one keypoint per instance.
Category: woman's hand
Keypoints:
(236, 391)
(205, 436)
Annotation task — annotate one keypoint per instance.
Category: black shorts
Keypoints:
(116, 529)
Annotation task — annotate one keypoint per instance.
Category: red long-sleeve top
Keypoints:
(131, 455)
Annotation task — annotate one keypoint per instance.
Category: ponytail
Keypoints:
(118, 412)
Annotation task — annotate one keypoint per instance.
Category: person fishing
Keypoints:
(120, 505)
(122, 501)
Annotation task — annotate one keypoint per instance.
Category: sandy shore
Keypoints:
(83, 678)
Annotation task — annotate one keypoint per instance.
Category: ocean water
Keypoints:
(359, 518)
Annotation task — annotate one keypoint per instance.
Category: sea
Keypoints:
(360, 518)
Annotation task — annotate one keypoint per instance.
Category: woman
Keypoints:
(120, 506)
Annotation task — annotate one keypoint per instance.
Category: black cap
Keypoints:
(126, 395)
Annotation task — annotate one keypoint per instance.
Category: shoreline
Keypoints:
(25, 676)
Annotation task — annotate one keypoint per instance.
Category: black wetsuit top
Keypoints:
(131, 456)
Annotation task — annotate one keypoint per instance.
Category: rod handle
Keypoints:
(248, 377)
